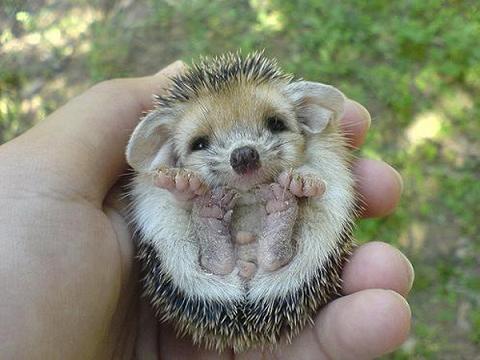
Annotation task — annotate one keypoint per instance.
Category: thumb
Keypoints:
(82, 144)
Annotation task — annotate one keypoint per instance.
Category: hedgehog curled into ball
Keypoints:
(243, 202)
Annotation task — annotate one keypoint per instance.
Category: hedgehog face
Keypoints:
(241, 137)
(236, 121)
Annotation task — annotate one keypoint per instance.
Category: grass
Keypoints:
(414, 64)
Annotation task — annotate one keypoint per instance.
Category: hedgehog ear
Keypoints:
(149, 144)
(316, 104)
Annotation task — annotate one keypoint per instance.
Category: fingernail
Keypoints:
(363, 112)
(410, 270)
(399, 179)
(171, 69)
(402, 300)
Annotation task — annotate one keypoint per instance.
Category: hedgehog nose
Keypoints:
(244, 159)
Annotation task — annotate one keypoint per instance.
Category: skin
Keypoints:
(67, 270)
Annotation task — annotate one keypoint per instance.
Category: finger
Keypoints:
(363, 325)
(378, 265)
(379, 187)
(355, 123)
(82, 144)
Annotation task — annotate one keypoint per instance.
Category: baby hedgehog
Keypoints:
(243, 201)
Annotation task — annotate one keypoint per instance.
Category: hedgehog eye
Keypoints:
(200, 143)
(275, 124)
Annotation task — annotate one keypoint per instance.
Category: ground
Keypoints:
(415, 65)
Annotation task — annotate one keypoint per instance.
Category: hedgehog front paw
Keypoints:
(302, 185)
(212, 214)
(275, 247)
(182, 183)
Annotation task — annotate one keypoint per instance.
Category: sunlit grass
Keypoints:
(268, 18)
(425, 126)
(32, 61)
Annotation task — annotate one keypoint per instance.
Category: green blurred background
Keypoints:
(414, 64)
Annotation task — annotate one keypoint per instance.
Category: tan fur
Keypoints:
(212, 114)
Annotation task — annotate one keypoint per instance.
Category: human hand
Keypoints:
(67, 264)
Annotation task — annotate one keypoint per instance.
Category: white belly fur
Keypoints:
(319, 226)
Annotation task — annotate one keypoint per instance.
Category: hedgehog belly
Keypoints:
(247, 320)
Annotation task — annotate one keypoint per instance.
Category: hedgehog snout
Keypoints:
(244, 160)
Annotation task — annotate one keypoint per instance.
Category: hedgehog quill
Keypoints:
(243, 202)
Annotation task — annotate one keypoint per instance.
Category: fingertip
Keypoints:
(364, 325)
(355, 122)
(378, 265)
(171, 69)
(363, 113)
(379, 186)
